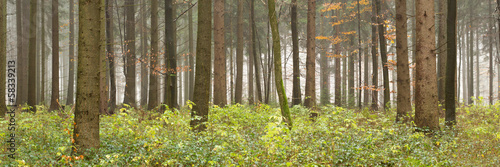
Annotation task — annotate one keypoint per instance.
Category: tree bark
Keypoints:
(220, 91)
(144, 56)
(470, 77)
(54, 101)
(403, 72)
(239, 54)
(111, 56)
(338, 59)
(199, 112)
(154, 62)
(374, 58)
(3, 55)
(86, 127)
(256, 57)
(32, 58)
(191, 54)
(310, 92)
(441, 49)
(43, 55)
(285, 112)
(451, 63)
(426, 104)
(383, 54)
(170, 61)
(103, 96)
(130, 88)
(72, 59)
(296, 95)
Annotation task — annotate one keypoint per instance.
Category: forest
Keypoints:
(250, 82)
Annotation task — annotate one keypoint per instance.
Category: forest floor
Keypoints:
(254, 136)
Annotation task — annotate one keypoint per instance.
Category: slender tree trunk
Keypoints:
(285, 112)
(72, 59)
(374, 58)
(383, 54)
(478, 75)
(251, 98)
(86, 127)
(20, 55)
(3, 55)
(170, 79)
(191, 54)
(256, 57)
(111, 56)
(490, 40)
(470, 78)
(220, 93)
(239, 54)
(154, 61)
(203, 66)
(54, 101)
(337, 55)
(360, 50)
(351, 100)
(130, 88)
(324, 69)
(310, 92)
(32, 58)
(296, 99)
(103, 99)
(403, 72)
(441, 49)
(43, 56)
(426, 104)
(451, 63)
(144, 56)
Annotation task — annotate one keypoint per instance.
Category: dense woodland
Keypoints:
(245, 82)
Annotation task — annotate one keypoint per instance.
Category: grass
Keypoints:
(254, 135)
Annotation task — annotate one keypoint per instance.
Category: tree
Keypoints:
(451, 63)
(490, 50)
(43, 55)
(3, 54)
(22, 67)
(103, 91)
(170, 79)
(54, 101)
(239, 54)
(32, 58)
(86, 127)
(296, 99)
(220, 55)
(383, 54)
(310, 92)
(426, 104)
(191, 54)
(111, 56)
(199, 113)
(285, 112)
(153, 60)
(130, 53)
(374, 57)
(72, 58)
(470, 70)
(338, 59)
(144, 57)
(403, 81)
(256, 58)
(441, 50)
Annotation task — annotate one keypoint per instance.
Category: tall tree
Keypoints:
(296, 99)
(3, 55)
(285, 112)
(103, 67)
(199, 113)
(310, 92)
(54, 101)
(111, 56)
(86, 127)
(490, 50)
(32, 58)
(324, 67)
(426, 104)
(43, 55)
(72, 58)
(239, 54)
(22, 87)
(441, 49)
(144, 56)
(153, 60)
(360, 50)
(374, 57)
(170, 79)
(191, 53)
(451, 63)
(130, 53)
(470, 70)
(383, 53)
(338, 59)
(220, 91)
(403, 81)
(256, 57)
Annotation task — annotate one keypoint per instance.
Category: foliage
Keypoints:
(254, 135)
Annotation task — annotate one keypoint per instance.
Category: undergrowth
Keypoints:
(254, 135)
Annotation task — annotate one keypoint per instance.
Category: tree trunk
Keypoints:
(374, 58)
(144, 56)
(239, 54)
(203, 66)
(426, 104)
(220, 55)
(130, 90)
(256, 57)
(324, 69)
(111, 56)
(351, 100)
(170, 79)
(383, 54)
(3, 55)
(296, 99)
(32, 58)
(43, 56)
(103, 99)
(154, 61)
(285, 112)
(490, 40)
(451, 63)
(360, 49)
(86, 127)
(72, 59)
(54, 101)
(441, 49)
(403, 72)
(338, 59)
(22, 88)
(470, 78)
(310, 92)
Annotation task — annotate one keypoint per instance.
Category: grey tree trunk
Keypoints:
(130, 88)
(310, 89)
(32, 92)
(54, 101)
